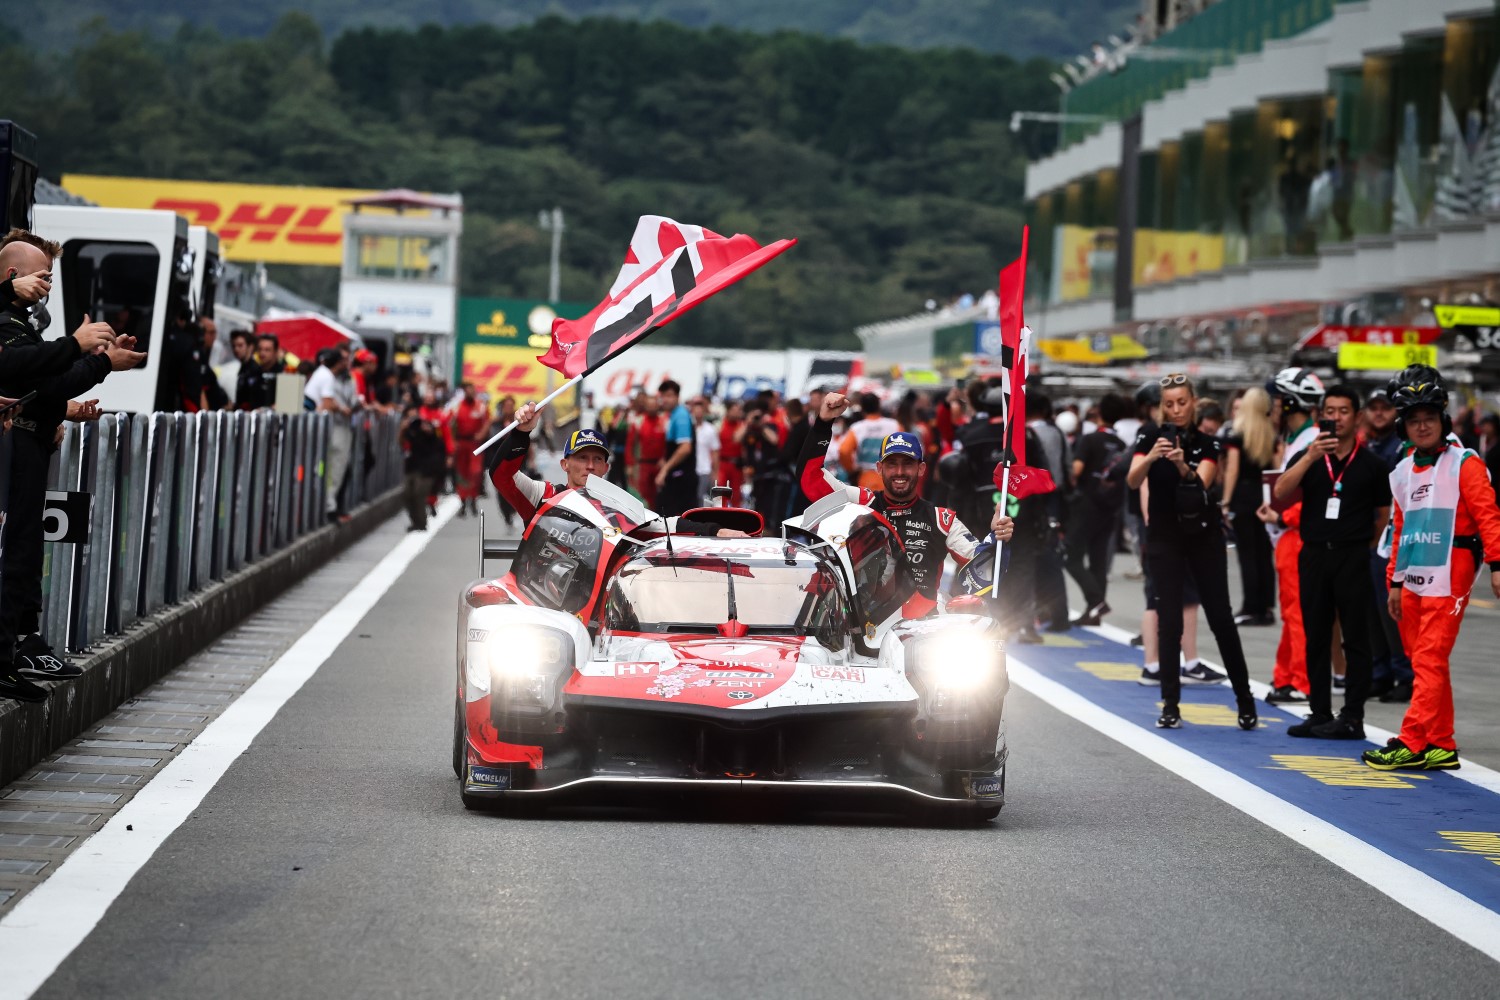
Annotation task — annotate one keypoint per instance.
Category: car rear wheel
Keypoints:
(460, 737)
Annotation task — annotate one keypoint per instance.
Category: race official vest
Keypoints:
(1429, 509)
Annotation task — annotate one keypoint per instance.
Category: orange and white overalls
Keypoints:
(1291, 652)
(1445, 526)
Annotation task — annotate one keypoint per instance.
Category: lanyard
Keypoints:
(1338, 484)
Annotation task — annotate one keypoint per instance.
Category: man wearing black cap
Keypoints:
(586, 454)
(927, 531)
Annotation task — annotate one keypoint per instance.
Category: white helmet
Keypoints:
(1067, 422)
(1297, 388)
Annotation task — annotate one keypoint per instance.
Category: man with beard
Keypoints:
(927, 531)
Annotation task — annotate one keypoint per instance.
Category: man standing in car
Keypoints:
(928, 533)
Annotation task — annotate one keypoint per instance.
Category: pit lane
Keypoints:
(334, 858)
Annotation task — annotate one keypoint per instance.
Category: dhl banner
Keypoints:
(514, 371)
(255, 222)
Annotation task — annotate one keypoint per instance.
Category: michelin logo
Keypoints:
(987, 787)
(489, 778)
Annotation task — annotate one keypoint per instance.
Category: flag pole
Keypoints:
(1005, 418)
(505, 432)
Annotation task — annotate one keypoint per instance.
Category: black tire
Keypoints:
(459, 738)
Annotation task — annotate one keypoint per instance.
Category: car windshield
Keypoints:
(694, 594)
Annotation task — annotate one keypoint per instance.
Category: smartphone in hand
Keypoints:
(1327, 427)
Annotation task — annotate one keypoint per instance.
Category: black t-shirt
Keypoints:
(1247, 488)
(1162, 480)
(1364, 488)
(1104, 468)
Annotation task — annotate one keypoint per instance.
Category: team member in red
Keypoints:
(926, 530)
(470, 417)
(432, 412)
(1446, 524)
(647, 441)
(586, 454)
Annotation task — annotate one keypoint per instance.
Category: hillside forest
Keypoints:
(895, 168)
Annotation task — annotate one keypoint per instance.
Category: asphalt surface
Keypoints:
(335, 859)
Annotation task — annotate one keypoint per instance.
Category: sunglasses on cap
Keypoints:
(1176, 378)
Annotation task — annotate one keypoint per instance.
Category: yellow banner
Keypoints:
(1077, 260)
(255, 222)
(1096, 350)
(1385, 357)
(1466, 316)
(1164, 255)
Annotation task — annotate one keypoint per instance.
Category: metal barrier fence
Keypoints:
(181, 500)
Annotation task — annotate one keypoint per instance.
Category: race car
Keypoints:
(619, 655)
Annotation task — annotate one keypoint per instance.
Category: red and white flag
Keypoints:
(669, 269)
(1018, 479)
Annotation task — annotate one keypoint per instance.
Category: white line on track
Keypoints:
(1423, 895)
(55, 917)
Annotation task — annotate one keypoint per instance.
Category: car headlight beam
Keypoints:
(957, 662)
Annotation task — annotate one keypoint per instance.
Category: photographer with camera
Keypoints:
(1177, 464)
(1346, 498)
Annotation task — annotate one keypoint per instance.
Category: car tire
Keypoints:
(459, 738)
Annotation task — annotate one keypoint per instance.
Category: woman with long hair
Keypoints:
(1181, 463)
(1251, 450)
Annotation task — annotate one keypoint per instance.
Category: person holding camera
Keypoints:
(1346, 498)
(1177, 464)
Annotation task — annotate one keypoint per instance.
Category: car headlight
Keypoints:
(957, 663)
(524, 665)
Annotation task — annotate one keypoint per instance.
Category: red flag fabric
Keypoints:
(1012, 358)
(669, 269)
(1024, 481)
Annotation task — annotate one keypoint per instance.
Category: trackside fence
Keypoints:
(177, 501)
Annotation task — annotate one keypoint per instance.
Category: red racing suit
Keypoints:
(928, 532)
(1429, 624)
(469, 421)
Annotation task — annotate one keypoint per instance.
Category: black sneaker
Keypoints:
(1398, 695)
(1338, 682)
(1170, 718)
(1149, 678)
(1256, 620)
(1093, 616)
(1200, 673)
(1248, 720)
(1308, 725)
(13, 685)
(1286, 695)
(36, 660)
(1136, 640)
(1342, 728)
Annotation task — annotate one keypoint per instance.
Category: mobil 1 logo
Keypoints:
(65, 516)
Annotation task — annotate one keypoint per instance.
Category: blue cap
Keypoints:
(579, 440)
(901, 443)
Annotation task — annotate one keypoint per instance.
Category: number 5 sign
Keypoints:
(65, 518)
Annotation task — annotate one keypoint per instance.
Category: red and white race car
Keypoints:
(614, 656)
